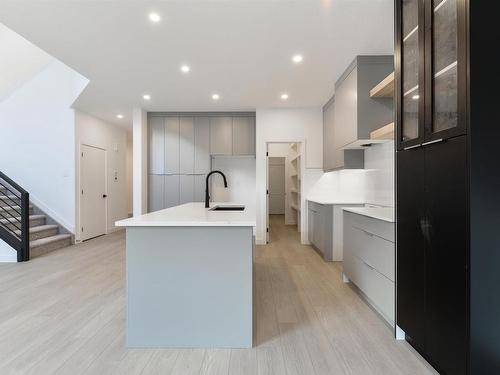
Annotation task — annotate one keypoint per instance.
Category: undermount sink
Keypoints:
(227, 208)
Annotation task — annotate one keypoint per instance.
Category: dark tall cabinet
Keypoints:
(448, 183)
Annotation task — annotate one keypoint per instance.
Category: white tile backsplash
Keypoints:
(372, 185)
(379, 169)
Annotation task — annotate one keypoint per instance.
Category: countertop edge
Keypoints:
(367, 214)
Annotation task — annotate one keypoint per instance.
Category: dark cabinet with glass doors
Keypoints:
(448, 183)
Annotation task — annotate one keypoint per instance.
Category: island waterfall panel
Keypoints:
(189, 287)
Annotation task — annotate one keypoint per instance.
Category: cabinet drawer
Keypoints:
(378, 288)
(374, 226)
(371, 249)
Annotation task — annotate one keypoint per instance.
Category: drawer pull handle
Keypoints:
(370, 267)
(367, 233)
(434, 141)
(411, 147)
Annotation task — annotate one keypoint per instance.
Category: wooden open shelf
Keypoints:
(384, 89)
(385, 132)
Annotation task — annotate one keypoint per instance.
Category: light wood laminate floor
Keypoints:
(64, 313)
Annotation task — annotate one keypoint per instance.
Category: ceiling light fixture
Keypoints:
(215, 97)
(154, 17)
(185, 69)
(297, 59)
(284, 96)
(120, 116)
(146, 97)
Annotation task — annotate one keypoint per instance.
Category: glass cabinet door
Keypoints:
(410, 75)
(445, 69)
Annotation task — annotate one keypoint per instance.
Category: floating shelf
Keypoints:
(385, 132)
(384, 89)
(294, 191)
(295, 207)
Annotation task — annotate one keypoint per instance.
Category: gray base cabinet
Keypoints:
(369, 260)
(325, 229)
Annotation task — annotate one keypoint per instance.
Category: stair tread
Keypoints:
(32, 217)
(40, 228)
(16, 207)
(48, 240)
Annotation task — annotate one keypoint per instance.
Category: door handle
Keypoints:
(104, 196)
(412, 147)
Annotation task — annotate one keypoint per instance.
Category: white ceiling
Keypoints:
(240, 49)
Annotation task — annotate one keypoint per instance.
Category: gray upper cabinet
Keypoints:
(329, 157)
(221, 135)
(346, 113)
(157, 145)
(353, 115)
(243, 135)
(201, 145)
(186, 145)
(172, 145)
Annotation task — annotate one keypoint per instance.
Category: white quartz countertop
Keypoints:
(381, 213)
(193, 215)
(333, 201)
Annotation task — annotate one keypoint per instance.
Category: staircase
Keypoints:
(44, 235)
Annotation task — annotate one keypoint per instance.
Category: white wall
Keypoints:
(140, 162)
(94, 132)
(7, 253)
(37, 140)
(287, 125)
(130, 174)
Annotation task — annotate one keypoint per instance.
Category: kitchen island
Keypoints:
(190, 277)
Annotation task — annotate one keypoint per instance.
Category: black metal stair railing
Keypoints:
(14, 217)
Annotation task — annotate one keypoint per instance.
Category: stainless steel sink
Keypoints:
(221, 207)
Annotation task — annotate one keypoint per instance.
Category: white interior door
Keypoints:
(93, 194)
(277, 185)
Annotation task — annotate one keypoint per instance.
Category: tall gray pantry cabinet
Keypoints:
(181, 147)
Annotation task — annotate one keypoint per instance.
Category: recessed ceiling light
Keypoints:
(154, 17)
(185, 68)
(119, 116)
(215, 97)
(415, 97)
(284, 96)
(297, 59)
(146, 97)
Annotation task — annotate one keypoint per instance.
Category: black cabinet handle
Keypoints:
(104, 196)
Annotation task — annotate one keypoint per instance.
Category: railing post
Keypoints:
(25, 228)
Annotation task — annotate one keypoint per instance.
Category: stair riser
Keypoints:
(33, 223)
(40, 250)
(43, 234)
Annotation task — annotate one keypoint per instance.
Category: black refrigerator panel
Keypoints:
(410, 262)
(446, 227)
